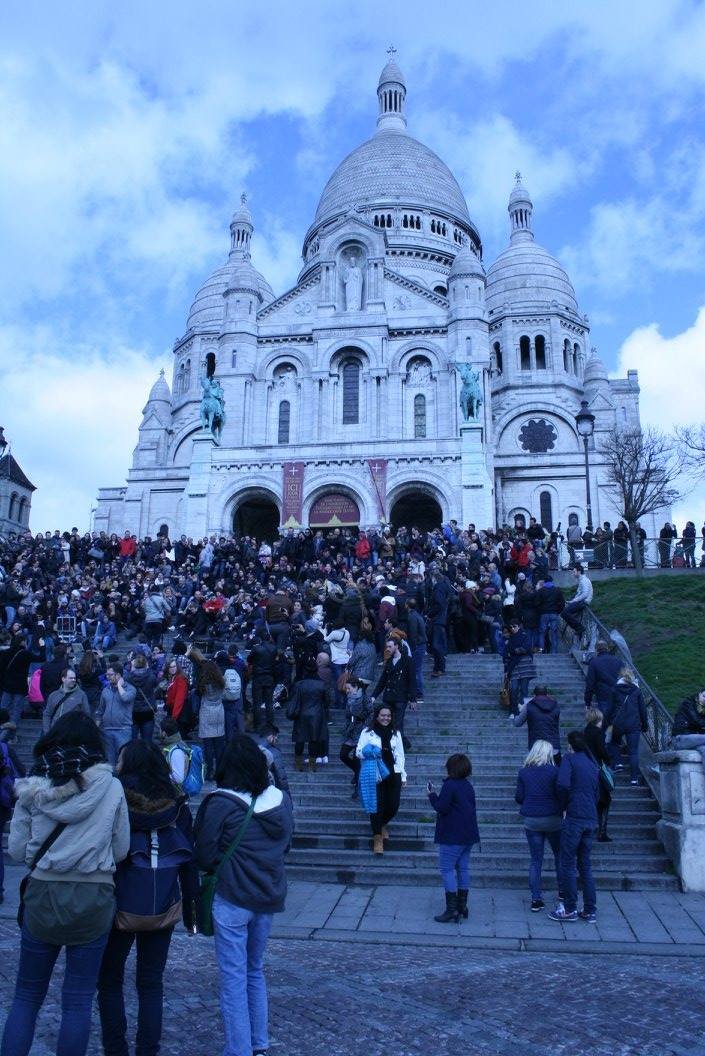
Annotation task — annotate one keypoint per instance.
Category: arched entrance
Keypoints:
(257, 516)
(416, 509)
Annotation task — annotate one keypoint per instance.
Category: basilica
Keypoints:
(401, 380)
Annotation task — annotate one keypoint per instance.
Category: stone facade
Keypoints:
(15, 495)
(342, 395)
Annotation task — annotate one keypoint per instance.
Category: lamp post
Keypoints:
(585, 422)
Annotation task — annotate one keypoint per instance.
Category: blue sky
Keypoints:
(130, 130)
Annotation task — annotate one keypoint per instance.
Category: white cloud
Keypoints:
(72, 421)
(672, 381)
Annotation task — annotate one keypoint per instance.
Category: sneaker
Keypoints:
(324, 759)
(633, 782)
(562, 916)
(537, 904)
(589, 918)
(319, 759)
(618, 766)
(419, 700)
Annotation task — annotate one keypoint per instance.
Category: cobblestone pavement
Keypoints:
(344, 999)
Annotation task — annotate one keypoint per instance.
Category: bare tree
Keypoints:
(692, 441)
(643, 467)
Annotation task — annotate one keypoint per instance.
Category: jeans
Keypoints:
(212, 752)
(14, 703)
(115, 741)
(418, 655)
(143, 731)
(551, 622)
(576, 844)
(573, 615)
(337, 670)
(234, 718)
(37, 960)
(152, 952)
(439, 646)
(632, 740)
(10, 612)
(536, 841)
(518, 691)
(454, 863)
(240, 941)
(262, 694)
(103, 641)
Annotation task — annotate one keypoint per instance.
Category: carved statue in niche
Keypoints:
(352, 281)
(418, 372)
(285, 377)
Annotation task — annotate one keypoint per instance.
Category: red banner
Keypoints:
(378, 472)
(334, 511)
(292, 494)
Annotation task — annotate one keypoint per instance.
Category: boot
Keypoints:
(463, 903)
(451, 910)
(378, 844)
(312, 767)
(298, 762)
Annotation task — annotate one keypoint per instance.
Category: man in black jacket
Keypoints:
(601, 678)
(418, 640)
(397, 683)
(262, 661)
(550, 602)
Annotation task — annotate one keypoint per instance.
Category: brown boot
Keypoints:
(298, 762)
(378, 847)
(312, 765)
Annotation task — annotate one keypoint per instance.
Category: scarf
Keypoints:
(385, 734)
(61, 764)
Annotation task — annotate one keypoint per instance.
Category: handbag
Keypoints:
(96, 553)
(606, 779)
(49, 841)
(209, 881)
(505, 700)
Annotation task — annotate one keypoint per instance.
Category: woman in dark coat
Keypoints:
(308, 707)
(594, 734)
(627, 717)
(456, 834)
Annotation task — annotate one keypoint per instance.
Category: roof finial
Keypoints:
(517, 176)
(391, 51)
(243, 198)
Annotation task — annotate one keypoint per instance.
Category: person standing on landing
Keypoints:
(456, 834)
(578, 788)
(380, 739)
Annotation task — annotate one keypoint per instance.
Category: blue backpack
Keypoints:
(147, 889)
(196, 772)
(7, 777)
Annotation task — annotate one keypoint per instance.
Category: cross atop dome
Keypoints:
(391, 92)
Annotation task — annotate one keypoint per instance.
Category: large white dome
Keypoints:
(392, 168)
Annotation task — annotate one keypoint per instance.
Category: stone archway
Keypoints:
(416, 509)
(257, 514)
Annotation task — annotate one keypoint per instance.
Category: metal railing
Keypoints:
(655, 553)
(658, 719)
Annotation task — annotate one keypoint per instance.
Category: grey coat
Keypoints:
(114, 711)
(363, 661)
(211, 715)
(61, 703)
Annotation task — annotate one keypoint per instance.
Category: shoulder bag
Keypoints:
(209, 881)
(49, 841)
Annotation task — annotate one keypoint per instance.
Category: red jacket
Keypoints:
(176, 695)
(128, 547)
(520, 554)
(362, 549)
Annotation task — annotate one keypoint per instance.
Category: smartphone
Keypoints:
(429, 786)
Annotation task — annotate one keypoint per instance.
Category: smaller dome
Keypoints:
(526, 275)
(160, 392)
(246, 277)
(595, 372)
(208, 308)
(391, 74)
(466, 263)
(519, 193)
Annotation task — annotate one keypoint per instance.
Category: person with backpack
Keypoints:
(211, 714)
(232, 696)
(542, 715)
(186, 761)
(156, 886)
(144, 709)
(70, 826)
(69, 698)
(251, 887)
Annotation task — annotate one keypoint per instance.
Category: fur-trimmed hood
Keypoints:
(67, 803)
(147, 814)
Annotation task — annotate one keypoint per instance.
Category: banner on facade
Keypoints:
(334, 510)
(378, 472)
(292, 494)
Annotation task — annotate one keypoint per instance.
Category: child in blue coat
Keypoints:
(456, 832)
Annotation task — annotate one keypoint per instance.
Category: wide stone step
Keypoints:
(416, 859)
(492, 845)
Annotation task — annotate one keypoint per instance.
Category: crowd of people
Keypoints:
(215, 639)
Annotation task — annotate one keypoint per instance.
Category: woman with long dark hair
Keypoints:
(149, 901)
(381, 742)
(251, 887)
(70, 826)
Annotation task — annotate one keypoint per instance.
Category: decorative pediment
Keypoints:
(297, 303)
(403, 294)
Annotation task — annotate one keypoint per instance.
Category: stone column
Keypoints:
(475, 480)
(682, 826)
(198, 485)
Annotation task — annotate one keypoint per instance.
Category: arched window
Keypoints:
(351, 392)
(233, 360)
(210, 364)
(540, 346)
(525, 352)
(440, 289)
(12, 512)
(419, 417)
(546, 510)
(497, 348)
(566, 356)
(284, 419)
(576, 352)
(187, 376)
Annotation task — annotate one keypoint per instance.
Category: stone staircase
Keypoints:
(332, 842)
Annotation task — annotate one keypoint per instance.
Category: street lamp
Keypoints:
(585, 422)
